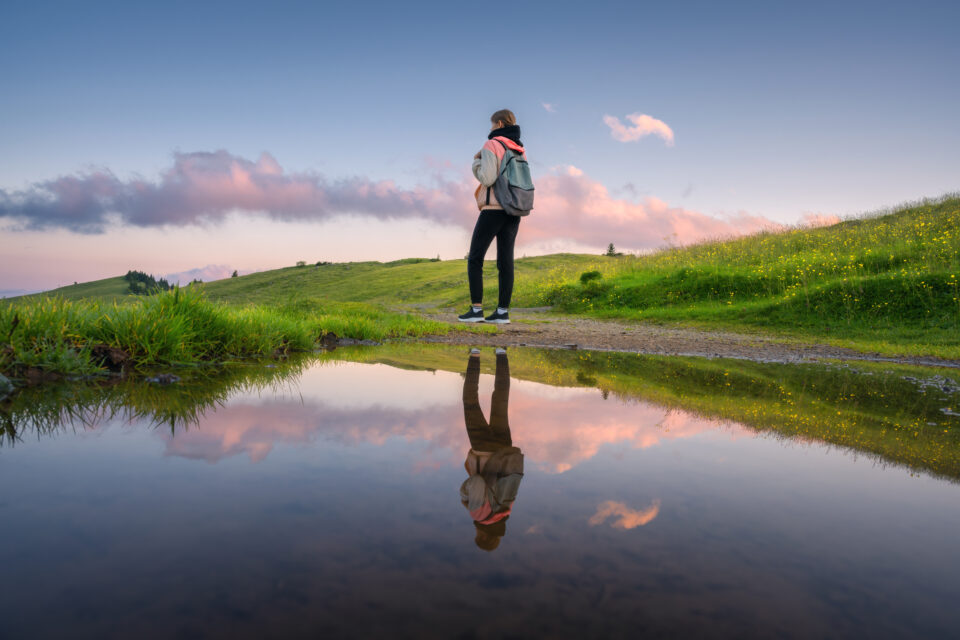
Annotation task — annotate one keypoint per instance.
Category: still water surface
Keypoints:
(610, 496)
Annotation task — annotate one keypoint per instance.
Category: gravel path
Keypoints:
(535, 328)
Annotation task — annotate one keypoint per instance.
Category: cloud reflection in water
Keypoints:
(624, 517)
(559, 427)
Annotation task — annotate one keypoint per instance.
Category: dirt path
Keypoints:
(536, 328)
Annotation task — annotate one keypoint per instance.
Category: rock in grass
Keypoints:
(112, 358)
(329, 340)
(6, 387)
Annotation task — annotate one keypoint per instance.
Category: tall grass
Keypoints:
(180, 326)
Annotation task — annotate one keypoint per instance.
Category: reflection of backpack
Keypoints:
(514, 186)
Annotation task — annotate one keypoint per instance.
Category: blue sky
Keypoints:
(778, 109)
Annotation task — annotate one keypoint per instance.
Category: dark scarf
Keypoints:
(511, 131)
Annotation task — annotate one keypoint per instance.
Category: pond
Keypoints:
(415, 490)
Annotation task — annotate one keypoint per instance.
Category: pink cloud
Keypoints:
(642, 125)
(204, 188)
(570, 204)
(624, 517)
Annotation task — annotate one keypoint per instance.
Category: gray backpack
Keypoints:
(514, 186)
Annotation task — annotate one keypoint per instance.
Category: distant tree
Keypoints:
(612, 251)
(140, 283)
(301, 263)
(234, 274)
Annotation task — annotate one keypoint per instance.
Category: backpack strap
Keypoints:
(503, 164)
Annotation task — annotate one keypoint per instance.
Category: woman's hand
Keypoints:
(476, 156)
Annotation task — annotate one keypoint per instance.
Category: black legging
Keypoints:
(504, 227)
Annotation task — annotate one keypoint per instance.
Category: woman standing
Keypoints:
(493, 222)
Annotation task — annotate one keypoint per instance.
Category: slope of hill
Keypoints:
(887, 283)
(108, 290)
(411, 281)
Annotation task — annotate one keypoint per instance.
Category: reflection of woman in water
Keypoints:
(494, 464)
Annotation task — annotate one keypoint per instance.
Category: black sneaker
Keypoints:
(499, 318)
(473, 315)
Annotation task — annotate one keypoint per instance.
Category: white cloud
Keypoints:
(643, 125)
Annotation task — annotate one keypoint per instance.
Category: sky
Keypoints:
(192, 139)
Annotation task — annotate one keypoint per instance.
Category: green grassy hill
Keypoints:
(886, 283)
(414, 280)
(411, 281)
(418, 281)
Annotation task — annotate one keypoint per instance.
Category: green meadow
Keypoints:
(415, 281)
(886, 283)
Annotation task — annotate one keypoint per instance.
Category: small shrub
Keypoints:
(587, 276)
(301, 263)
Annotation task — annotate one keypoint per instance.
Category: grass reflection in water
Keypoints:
(869, 408)
(51, 408)
(876, 409)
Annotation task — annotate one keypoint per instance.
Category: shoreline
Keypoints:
(590, 334)
(543, 331)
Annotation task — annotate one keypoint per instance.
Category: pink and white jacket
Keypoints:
(487, 167)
